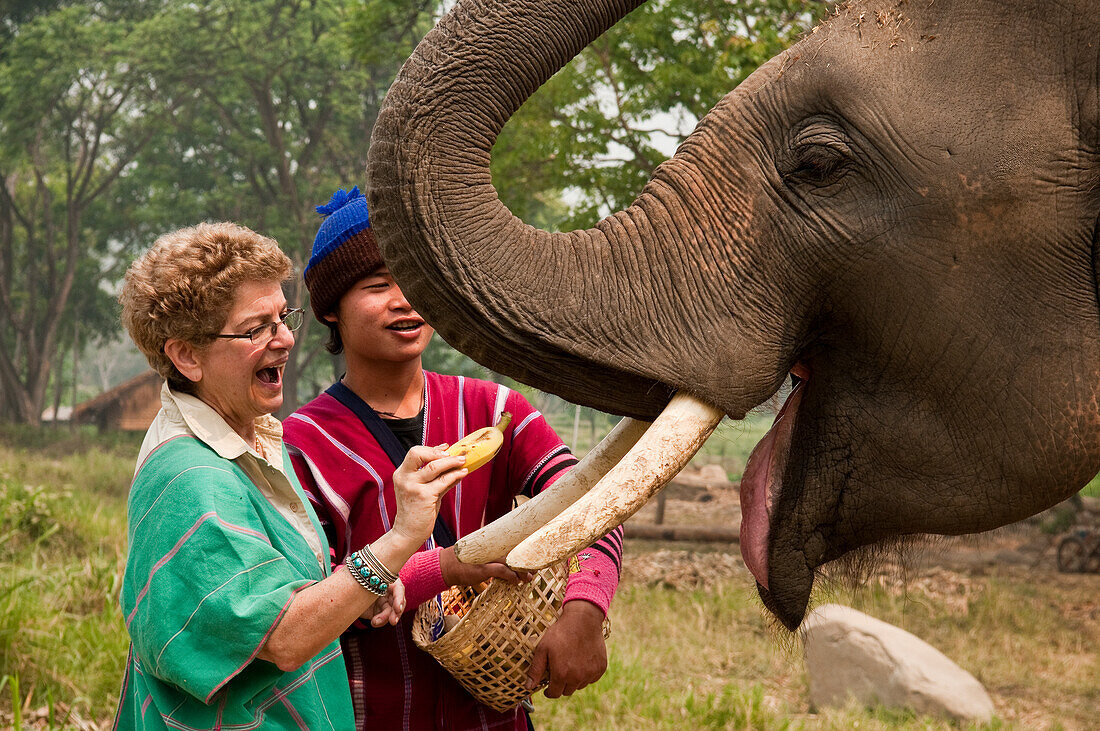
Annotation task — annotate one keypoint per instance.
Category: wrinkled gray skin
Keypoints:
(905, 203)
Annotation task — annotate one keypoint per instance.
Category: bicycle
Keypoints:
(1079, 552)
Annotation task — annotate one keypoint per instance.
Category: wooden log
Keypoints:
(700, 534)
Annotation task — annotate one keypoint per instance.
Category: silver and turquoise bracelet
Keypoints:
(371, 573)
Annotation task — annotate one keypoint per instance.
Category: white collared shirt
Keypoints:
(183, 414)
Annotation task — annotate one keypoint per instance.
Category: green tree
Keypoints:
(76, 108)
(90, 320)
(599, 127)
(122, 119)
(283, 100)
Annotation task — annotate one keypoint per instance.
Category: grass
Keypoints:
(709, 659)
(700, 658)
(62, 547)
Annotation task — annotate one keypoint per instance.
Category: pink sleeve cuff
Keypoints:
(594, 577)
(422, 577)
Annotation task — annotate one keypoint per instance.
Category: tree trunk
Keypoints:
(58, 387)
(76, 370)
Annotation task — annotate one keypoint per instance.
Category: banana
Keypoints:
(478, 447)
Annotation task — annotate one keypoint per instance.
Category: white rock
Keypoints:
(850, 655)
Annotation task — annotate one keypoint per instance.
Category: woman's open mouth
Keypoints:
(272, 375)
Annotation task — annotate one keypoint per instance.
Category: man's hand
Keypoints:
(456, 573)
(572, 651)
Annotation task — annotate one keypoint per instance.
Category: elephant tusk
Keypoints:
(502, 535)
(666, 447)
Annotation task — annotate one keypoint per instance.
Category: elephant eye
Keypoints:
(815, 158)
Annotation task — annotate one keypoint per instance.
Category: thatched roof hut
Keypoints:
(129, 406)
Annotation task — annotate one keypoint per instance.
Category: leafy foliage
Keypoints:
(76, 108)
(601, 125)
(122, 120)
(280, 117)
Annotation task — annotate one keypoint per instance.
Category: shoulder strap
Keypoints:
(389, 442)
(386, 439)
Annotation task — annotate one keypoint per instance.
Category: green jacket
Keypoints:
(212, 567)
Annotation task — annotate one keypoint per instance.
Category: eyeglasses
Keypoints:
(263, 334)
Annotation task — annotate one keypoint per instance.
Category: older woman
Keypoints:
(228, 597)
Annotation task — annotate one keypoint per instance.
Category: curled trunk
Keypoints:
(555, 310)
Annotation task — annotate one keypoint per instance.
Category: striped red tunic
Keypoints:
(348, 477)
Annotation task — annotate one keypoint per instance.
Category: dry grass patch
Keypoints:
(691, 648)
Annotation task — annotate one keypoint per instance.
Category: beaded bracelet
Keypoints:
(366, 578)
(371, 573)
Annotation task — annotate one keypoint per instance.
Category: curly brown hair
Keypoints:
(185, 284)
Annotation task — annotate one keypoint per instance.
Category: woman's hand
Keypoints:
(318, 614)
(388, 609)
(419, 483)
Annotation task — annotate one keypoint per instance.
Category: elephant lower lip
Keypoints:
(789, 608)
(761, 481)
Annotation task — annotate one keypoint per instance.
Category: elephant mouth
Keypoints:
(762, 480)
(618, 476)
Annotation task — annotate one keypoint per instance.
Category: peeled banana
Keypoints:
(478, 447)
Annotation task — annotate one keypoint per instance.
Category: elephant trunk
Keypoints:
(617, 317)
(555, 310)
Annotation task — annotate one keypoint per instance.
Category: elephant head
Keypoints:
(900, 210)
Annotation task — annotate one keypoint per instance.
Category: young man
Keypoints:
(344, 456)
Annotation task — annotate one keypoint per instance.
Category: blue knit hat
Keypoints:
(344, 250)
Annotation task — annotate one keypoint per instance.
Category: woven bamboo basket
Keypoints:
(489, 650)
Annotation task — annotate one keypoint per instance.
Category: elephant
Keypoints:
(898, 216)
